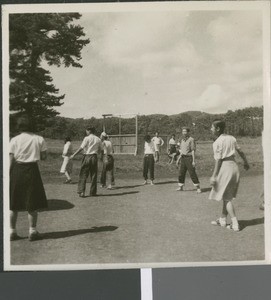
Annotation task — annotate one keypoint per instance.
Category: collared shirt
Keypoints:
(67, 150)
(187, 146)
(107, 147)
(91, 144)
(149, 148)
(158, 142)
(26, 147)
(225, 146)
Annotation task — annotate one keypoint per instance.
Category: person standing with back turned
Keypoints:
(91, 146)
(26, 187)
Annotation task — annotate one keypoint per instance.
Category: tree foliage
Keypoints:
(242, 122)
(35, 38)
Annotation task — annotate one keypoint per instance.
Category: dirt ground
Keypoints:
(141, 224)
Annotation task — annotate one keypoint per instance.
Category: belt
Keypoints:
(148, 154)
(186, 155)
(230, 158)
(26, 163)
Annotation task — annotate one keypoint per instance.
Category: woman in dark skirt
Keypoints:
(26, 187)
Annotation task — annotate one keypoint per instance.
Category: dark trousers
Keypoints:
(108, 166)
(89, 166)
(148, 166)
(186, 164)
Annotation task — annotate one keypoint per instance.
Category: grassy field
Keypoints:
(143, 224)
(129, 166)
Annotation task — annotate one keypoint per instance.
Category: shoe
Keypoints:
(152, 183)
(102, 185)
(218, 223)
(145, 182)
(34, 236)
(81, 195)
(109, 187)
(234, 228)
(68, 181)
(198, 191)
(14, 236)
(180, 188)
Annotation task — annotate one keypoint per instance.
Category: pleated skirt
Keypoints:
(227, 184)
(26, 188)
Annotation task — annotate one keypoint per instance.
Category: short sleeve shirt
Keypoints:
(225, 146)
(107, 147)
(26, 147)
(149, 148)
(91, 144)
(172, 142)
(187, 146)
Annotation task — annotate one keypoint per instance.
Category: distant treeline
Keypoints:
(241, 122)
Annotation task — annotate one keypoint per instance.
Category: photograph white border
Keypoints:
(263, 6)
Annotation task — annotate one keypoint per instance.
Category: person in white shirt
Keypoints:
(172, 149)
(26, 188)
(67, 164)
(108, 161)
(158, 143)
(91, 147)
(225, 178)
(148, 160)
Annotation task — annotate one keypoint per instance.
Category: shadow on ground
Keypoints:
(70, 233)
(118, 194)
(57, 204)
(245, 223)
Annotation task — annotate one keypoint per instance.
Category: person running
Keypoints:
(148, 160)
(225, 178)
(67, 164)
(26, 188)
(91, 146)
(108, 161)
(158, 143)
(187, 159)
(172, 149)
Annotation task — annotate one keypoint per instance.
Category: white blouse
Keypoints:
(224, 146)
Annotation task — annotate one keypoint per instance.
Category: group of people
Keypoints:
(27, 192)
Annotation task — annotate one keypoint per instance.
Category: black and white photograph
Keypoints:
(136, 135)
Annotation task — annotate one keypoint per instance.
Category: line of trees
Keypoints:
(242, 122)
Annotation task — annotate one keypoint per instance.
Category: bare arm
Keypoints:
(218, 164)
(43, 155)
(76, 152)
(243, 156)
(193, 158)
(11, 159)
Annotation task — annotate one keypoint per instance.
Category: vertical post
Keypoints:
(104, 124)
(136, 135)
(120, 134)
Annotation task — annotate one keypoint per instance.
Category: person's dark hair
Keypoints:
(67, 139)
(24, 124)
(147, 138)
(219, 124)
(173, 134)
(91, 129)
(186, 128)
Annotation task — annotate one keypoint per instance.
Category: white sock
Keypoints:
(32, 229)
(222, 220)
(234, 221)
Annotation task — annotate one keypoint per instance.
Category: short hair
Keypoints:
(147, 138)
(173, 134)
(24, 123)
(91, 129)
(219, 124)
(67, 139)
(186, 128)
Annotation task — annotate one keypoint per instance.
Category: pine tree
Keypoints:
(37, 38)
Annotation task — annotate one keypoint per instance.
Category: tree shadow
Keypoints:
(245, 223)
(118, 194)
(70, 233)
(57, 204)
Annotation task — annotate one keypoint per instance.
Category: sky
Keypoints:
(165, 63)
